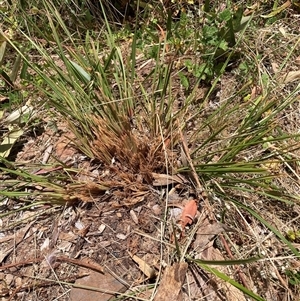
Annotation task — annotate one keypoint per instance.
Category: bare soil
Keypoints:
(117, 243)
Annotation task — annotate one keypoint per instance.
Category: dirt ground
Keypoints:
(106, 247)
(116, 243)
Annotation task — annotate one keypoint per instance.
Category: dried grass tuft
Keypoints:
(136, 154)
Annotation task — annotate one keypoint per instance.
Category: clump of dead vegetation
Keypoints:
(181, 167)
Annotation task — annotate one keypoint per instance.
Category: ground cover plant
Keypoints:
(149, 150)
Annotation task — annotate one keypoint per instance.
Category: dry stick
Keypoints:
(241, 273)
(40, 285)
(18, 289)
(199, 189)
(81, 263)
(59, 258)
(78, 262)
(283, 282)
(21, 263)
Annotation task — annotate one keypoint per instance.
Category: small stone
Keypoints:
(101, 228)
(156, 209)
(9, 279)
(18, 282)
(134, 217)
(121, 236)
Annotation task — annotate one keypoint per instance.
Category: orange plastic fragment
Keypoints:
(188, 214)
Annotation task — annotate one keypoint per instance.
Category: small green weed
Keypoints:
(294, 277)
(293, 235)
(212, 37)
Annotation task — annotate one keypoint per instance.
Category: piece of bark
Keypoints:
(171, 283)
(144, 266)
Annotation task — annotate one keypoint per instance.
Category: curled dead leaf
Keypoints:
(291, 76)
(164, 179)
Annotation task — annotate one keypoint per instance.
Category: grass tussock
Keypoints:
(135, 152)
(187, 100)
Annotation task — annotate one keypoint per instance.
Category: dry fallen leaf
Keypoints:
(20, 235)
(171, 283)
(144, 267)
(102, 287)
(9, 140)
(164, 179)
(231, 292)
(291, 76)
(207, 231)
(206, 251)
(134, 217)
(277, 10)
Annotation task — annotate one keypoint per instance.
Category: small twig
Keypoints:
(81, 263)
(241, 273)
(283, 282)
(77, 262)
(17, 264)
(41, 284)
(199, 188)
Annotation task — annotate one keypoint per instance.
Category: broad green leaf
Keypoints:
(81, 71)
(225, 15)
(184, 80)
(223, 45)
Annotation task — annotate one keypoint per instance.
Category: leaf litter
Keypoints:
(111, 253)
(108, 252)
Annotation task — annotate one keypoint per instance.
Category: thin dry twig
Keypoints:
(199, 188)
(241, 273)
(78, 262)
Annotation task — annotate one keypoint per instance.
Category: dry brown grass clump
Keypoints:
(135, 151)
